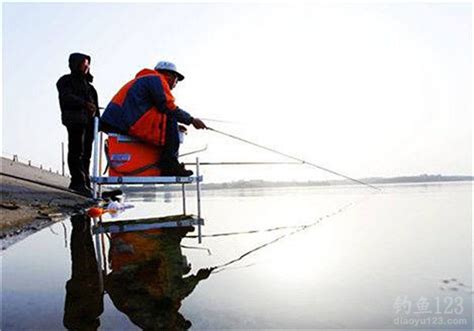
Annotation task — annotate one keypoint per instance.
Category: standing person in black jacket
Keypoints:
(79, 105)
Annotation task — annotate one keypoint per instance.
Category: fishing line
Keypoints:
(294, 158)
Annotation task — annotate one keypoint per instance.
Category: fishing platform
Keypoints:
(99, 180)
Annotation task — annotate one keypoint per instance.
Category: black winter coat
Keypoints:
(75, 90)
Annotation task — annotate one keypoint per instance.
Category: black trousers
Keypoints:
(80, 139)
(171, 148)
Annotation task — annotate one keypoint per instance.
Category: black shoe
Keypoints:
(82, 190)
(174, 168)
(189, 172)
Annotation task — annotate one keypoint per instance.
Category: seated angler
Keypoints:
(144, 108)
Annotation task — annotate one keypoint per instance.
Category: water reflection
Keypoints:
(346, 273)
(148, 280)
(84, 301)
(168, 197)
(150, 196)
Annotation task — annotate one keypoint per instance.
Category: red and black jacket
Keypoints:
(140, 108)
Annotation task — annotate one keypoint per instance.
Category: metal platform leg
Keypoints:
(198, 194)
(99, 257)
(183, 196)
(95, 170)
(101, 143)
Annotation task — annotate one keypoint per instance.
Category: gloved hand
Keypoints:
(198, 124)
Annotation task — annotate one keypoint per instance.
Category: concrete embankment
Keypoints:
(31, 199)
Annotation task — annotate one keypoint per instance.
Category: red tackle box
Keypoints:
(128, 156)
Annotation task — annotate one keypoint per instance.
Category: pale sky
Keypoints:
(364, 89)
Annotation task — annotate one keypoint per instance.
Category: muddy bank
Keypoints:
(26, 208)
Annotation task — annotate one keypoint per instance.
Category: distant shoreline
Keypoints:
(243, 184)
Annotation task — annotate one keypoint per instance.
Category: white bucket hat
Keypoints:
(169, 66)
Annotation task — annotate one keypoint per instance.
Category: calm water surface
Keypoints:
(400, 259)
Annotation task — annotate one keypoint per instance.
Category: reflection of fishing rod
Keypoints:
(297, 229)
(294, 158)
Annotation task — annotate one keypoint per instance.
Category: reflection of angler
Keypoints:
(147, 281)
(84, 296)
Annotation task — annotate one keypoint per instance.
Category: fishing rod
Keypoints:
(217, 121)
(238, 163)
(194, 152)
(293, 157)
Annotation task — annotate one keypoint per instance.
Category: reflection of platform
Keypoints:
(142, 224)
(147, 180)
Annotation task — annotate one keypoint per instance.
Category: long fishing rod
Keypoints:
(217, 121)
(194, 152)
(294, 158)
(238, 163)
